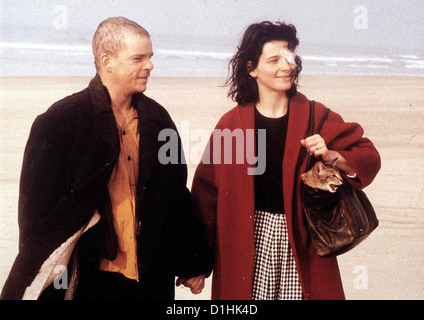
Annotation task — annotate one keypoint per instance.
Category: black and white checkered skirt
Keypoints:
(275, 274)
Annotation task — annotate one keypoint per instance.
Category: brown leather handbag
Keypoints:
(338, 221)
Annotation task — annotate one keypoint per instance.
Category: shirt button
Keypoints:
(129, 158)
(124, 133)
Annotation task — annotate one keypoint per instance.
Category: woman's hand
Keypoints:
(317, 147)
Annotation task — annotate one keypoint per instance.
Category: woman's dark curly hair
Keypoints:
(244, 88)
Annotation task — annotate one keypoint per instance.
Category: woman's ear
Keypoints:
(250, 69)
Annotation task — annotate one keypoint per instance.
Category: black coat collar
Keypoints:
(102, 103)
(149, 126)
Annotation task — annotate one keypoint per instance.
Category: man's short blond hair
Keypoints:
(109, 36)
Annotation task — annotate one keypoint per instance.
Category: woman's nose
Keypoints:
(284, 64)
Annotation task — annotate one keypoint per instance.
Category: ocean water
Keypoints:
(45, 52)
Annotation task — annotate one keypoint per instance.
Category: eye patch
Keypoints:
(289, 56)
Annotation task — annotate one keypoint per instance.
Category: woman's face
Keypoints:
(276, 68)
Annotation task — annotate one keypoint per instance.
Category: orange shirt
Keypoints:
(122, 191)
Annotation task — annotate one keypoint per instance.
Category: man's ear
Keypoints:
(106, 62)
(250, 69)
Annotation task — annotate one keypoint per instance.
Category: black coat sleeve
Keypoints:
(41, 194)
(42, 181)
(188, 249)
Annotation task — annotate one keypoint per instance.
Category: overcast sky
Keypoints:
(388, 23)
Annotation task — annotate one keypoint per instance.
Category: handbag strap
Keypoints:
(311, 118)
(311, 129)
(323, 118)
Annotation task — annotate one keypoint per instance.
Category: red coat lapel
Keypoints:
(297, 126)
(247, 116)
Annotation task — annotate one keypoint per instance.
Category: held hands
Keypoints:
(196, 284)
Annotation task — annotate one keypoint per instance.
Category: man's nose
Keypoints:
(149, 65)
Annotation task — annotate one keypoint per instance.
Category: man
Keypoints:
(95, 201)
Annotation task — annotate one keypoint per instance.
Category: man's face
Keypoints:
(130, 67)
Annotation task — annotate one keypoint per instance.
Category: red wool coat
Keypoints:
(224, 199)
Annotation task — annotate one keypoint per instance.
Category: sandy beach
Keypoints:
(388, 265)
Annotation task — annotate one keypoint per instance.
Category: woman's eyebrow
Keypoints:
(273, 57)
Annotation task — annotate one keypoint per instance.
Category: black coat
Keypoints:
(68, 160)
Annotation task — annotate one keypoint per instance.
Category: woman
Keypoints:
(254, 223)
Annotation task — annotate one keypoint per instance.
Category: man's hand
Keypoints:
(196, 284)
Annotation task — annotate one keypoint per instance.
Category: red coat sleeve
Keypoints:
(347, 139)
(205, 195)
